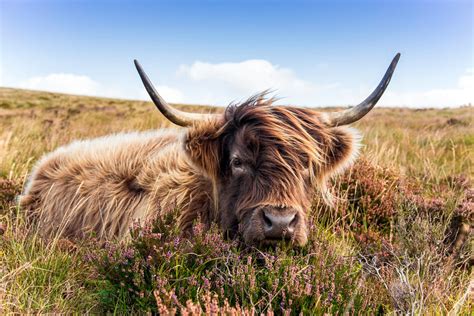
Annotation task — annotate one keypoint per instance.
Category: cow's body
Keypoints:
(253, 170)
(99, 186)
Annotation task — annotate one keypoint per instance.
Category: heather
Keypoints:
(397, 240)
(161, 269)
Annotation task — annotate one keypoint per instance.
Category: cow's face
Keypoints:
(266, 162)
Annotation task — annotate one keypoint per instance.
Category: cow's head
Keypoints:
(267, 161)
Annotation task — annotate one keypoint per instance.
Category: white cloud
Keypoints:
(1, 72)
(246, 76)
(170, 94)
(84, 85)
(220, 83)
(65, 83)
(236, 80)
(241, 79)
(462, 94)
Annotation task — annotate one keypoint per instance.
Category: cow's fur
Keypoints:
(99, 186)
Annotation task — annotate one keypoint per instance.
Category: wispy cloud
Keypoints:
(168, 93)
(84, 85)
(62, 82)
(220, 83)
(461, 94)
(235, 80)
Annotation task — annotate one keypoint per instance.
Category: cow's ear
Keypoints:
(202, 144)
(343, 149)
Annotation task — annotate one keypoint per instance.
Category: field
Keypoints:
(399, 239)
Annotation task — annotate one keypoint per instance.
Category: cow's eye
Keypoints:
(237, 163)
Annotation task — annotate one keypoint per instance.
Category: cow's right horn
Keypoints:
(176, 116)
(359, 111)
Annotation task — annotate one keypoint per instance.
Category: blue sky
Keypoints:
(310, 52)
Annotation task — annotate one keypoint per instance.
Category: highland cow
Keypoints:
(253, 170)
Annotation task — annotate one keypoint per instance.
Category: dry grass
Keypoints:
(395, 228)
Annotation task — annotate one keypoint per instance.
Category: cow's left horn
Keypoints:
(176, 116)
(356, 113)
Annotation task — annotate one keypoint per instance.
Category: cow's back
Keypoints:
(91, 186)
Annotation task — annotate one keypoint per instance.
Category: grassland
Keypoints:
(390, 244)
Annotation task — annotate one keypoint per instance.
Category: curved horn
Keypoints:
(176, 116)
(356, 113)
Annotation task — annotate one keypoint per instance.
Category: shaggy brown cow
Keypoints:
(253, 170)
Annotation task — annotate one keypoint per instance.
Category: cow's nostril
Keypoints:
(267, 221)
(293, 222)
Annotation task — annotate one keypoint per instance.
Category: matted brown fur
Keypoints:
(99, 186)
